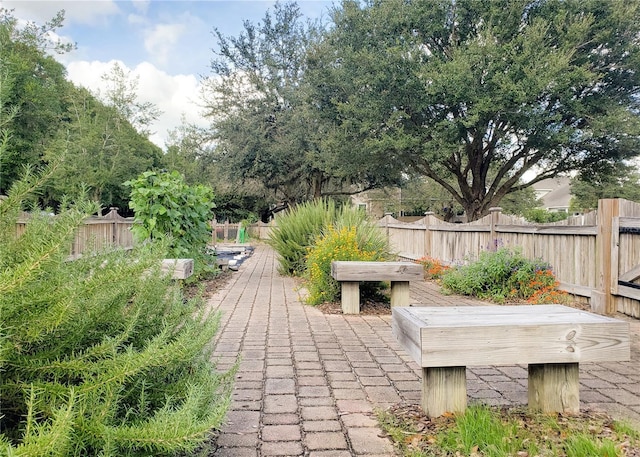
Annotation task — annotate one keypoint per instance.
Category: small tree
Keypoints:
(167, 208)
(102, 355)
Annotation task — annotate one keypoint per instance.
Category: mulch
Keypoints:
(377, 307)
(367, 307)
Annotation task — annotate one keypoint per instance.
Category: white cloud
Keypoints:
(88, 12)
(137, 19)
(161, 39)
(141, 5)
(174, 95)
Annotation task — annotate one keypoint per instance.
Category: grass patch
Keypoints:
(485, 431)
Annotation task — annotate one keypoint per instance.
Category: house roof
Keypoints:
(555, 193)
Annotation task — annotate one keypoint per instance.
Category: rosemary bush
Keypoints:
(102, 355)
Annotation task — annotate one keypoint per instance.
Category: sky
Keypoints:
(166, 44)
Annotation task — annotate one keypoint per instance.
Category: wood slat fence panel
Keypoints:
(586, 252)
(96, 233)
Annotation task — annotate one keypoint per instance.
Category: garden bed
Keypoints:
(497, 431)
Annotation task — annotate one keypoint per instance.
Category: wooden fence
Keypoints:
(596, 256)
(99, 232)
(223, 231)
(96, 233)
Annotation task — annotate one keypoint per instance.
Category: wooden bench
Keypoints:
(551, 339)
(351, 273)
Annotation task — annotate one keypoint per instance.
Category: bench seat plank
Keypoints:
(551, 339)
(508, 335)
(376, 271)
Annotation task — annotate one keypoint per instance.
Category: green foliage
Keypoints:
(582, 444)
(296, 230)
(520, 202)
(167, 208)
(613, 181)
(102, 355)
(269, 121)
(543, 216)
(52, 115)
(121, 93)
(104, 151)
(258, 108)
(488, 89)
(502, 275)
(36, 92)
(499, 432)
(352, 238)
(480, 429)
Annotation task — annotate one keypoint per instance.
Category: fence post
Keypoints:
(493, 221)
(214, 234)
(387, 216)
(427, 233)
(113, 215)
(226, 231)
(602, 301)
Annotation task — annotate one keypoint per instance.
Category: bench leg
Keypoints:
(444, 390)
(554, 388)
(399, 293)
(350, 297)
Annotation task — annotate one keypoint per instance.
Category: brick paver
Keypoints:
(308, 383)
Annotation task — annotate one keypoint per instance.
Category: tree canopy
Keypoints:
(474, 94)
(619, 181)
(51, 116)
(268, 119)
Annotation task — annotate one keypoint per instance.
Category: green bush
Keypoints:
(543, 216)
(296, 230)
(102, 355)
(166, 207)
(354, 237)
(503, 275)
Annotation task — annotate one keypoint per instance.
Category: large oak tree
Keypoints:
(474, 94)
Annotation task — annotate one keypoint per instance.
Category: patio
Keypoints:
(309, 382)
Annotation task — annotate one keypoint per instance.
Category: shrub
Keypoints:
(296, 231)
(166, 207)
(433, 268)
(543, 216)
(505, 275)
(102, 355)
(353, 238)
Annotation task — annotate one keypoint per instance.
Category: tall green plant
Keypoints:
(296, 230)
(167, 208)
(352, 238)
(102, 355)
